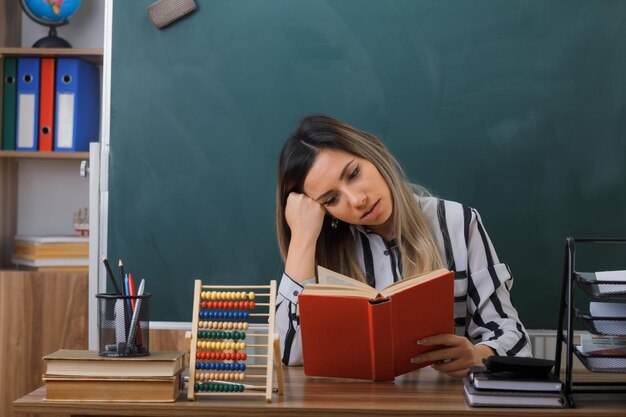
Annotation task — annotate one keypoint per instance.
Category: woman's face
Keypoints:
(350, 189)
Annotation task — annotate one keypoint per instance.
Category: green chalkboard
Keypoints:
(516, 108)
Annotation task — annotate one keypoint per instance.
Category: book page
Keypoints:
(326, 276)
(411, 281)
(340, 290)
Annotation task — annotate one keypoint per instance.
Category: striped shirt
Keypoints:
(483, 311)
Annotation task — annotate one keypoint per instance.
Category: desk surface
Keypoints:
(424, 392)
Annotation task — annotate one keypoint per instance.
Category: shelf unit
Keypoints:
(44, 155)
(9, 160)
(608, 326)
(93, 55)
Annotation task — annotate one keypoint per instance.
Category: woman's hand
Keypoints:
(305, 218)
(456, 356)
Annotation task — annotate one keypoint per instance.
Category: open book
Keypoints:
(351, 330)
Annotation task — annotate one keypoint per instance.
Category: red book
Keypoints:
(350, 330)
(46, 105)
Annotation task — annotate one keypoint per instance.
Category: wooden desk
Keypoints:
(422, 393)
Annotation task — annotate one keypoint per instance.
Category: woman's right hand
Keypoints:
(305, 218)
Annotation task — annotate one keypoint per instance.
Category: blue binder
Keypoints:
(27, 129)
(77, 105)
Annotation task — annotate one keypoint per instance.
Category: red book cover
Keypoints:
(352, 331)
(46, 104)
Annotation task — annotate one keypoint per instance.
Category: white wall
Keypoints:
(50, 192)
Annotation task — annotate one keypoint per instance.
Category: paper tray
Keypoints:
(603, 326)
(608, 290)
(602, 363)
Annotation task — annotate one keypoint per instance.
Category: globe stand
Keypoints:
(52, 41)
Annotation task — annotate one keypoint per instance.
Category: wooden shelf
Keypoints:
(44, 155)
(93, 55)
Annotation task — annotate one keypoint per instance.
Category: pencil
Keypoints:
(121, 266)
(110, 275)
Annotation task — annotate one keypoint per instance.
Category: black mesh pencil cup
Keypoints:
(123, 325)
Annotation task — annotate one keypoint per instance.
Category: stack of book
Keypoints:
(83, 375)
(52, 253)
(505, 389)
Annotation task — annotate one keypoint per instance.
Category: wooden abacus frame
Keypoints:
(269, 357)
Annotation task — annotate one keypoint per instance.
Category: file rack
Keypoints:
(614, 326)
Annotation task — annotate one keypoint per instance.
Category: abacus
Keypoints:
(220, 336)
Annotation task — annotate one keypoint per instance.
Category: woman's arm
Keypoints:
(287, 319)
(493, 326)
(305, 218)
(493, 320)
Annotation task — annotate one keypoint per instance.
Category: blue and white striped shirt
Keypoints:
(483, 311)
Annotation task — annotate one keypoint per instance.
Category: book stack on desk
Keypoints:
(52, 253)
(83, 375)
(505, 389)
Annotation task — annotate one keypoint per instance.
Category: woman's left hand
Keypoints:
(456, 356)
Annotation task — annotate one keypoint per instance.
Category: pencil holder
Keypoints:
(123, 325)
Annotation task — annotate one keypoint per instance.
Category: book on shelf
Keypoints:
(511, 398)
(51, 264)
(53, 268)
(51, 247)
(508, 381)
(87, 363)
(351, 330)
(51, 239)
(135, 389)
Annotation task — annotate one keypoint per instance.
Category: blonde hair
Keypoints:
(336, 246)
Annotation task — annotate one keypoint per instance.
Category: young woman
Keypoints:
(344, 203)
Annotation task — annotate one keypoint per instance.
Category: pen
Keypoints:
(131, 290)
(133, 323)
(129, 310)
(110, 275)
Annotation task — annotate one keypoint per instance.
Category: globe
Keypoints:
(50, 13)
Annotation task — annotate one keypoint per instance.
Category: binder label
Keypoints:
(25, 125)
(65, 127)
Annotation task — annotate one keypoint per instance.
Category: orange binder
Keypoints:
(46, 105)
